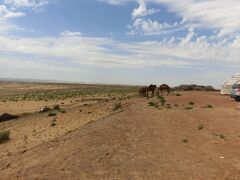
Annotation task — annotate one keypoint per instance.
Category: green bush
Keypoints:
(52, 114)
(191, 103)
(4, 136)
(151, 103)
(221, 136)
(209, 106)
(200, 126)
(62, 111)
(117, 106)
(53, 123)
(185, 140)
(168, 106)
(188, 108)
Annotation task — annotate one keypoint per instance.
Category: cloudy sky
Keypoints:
(120, 41)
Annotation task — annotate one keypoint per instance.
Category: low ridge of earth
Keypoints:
(190, 135)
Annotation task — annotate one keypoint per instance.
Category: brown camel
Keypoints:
(164, 87)
(152, 89)
(143, 91)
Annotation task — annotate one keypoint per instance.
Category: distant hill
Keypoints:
(194, 87)
(27, 80)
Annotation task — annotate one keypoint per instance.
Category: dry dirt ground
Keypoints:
(137, 141)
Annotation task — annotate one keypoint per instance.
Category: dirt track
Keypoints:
(141, 142)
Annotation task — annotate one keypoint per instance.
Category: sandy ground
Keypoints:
(136, 142)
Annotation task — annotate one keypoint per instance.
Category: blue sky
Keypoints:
(120, 41)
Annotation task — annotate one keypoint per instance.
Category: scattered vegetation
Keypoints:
(4, 136)
(53, 123)
(151, 103)
(191, 103)
(52, 114)
(209, 106)
(200, 126)
(162, 100)
(65, 92)
(185, 140)
(117, 106)
(168, 106)
(188, 108)
(62, 111)
(219, 135)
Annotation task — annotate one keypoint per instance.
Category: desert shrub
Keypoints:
(62, 111)
(168, 106)
(200, 126)
(185, 140)
(52, 114)
(188, 108)
(151, 103)
(191, 103)
(4, 136)
(53, 123)
(117, 106)
(209, 106)
(160, 97)
(178, 94)
(221, 136)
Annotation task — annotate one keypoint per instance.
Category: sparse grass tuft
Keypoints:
(117, 106)
(200, 126)
(188, 108)
(52, 114)
(168, 106)
(191, 103)
(209, 106)
(221, 136)
(4, 136)
(185, 140)
(151, 103)
(53, 123)
(62, 111)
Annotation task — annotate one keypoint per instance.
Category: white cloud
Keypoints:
(26, 3)
(106, 52)
(10, 9)
(70, 33)
(142, 10)
(6, 26)
(6, 13)
(116, 2)
(149, 27)
(215, 14)
(218, 14)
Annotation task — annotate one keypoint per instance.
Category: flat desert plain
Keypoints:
(109, 132)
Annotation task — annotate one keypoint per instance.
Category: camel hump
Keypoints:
(164, 85)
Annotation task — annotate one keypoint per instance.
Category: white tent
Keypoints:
(227, 85)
